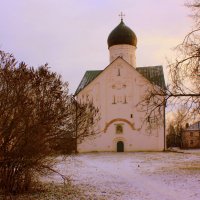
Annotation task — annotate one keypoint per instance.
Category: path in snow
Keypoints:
(136, 176)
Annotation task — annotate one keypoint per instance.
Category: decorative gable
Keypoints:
(152, 73)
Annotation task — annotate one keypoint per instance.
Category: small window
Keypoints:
(191, 142)
(191, 134)
(118, 72)
(119, 128)
(114, 100)
(125, 100)
(131, 115)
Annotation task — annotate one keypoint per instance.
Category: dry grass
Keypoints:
(52, 191)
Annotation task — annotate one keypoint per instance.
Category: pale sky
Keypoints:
(71, 35)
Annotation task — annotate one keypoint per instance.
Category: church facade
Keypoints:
(116, 92)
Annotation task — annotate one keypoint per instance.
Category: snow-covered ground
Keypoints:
(134, 176)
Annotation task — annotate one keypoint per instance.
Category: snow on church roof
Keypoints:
(153, 73)
(194, 127)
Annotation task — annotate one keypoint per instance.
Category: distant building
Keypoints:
(191, 136)
(116, 90)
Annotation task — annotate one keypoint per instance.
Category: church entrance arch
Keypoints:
(120, 146)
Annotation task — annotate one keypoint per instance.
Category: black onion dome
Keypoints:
(122, 34)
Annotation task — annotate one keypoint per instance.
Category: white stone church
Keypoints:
(116, 90)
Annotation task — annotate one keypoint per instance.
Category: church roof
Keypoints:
(122, 34)
(88, 77)
(153, 73)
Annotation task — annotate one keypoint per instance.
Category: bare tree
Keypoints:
(85, 117)
(81, 124)
(176, 124)
(184, 76)
(185, 71)
(35, 115)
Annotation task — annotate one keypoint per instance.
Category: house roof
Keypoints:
(194, 127)
(153, 73)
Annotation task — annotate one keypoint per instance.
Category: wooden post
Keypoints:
(164, 123)
(76, 122)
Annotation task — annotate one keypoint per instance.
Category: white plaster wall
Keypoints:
(132, 85)
(127, 52)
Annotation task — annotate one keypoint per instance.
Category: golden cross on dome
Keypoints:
(121, 15)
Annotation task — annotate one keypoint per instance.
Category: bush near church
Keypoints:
(36, 118)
